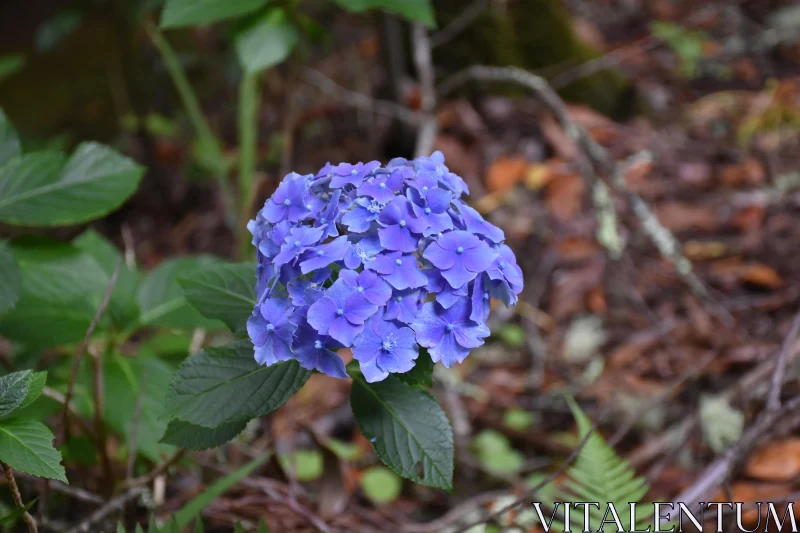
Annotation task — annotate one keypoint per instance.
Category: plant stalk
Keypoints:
(248, 143)
(12, 484)
(209, 143)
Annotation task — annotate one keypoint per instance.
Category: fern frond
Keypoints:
(599, 475)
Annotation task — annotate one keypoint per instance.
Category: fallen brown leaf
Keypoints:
(748, 172)
(564, 195)
(761, 275)
(505, 173)
(775, 461)
(678, 216)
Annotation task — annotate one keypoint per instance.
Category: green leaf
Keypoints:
(413, 10)
(38, 381)
(179, 13)
(123, 308)
(239, 528)
(262, 526)
(225, 292)
(422, 373)
(345, 451)
(186, 435)
(14, 388)
(495, 452)
(10, 279)
(218, 385)
(162, 301)
(35, 190)
(518, 419)
(120, 527)
(27, 446)
(408, 429)
(380, 484)
(266, 42)
(62, 288)
(17, 513)
(205, 498)
(9, 141)
(308, 464)
(128, 380)
(198, 526)
(10, 64)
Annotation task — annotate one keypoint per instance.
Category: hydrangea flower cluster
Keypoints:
(382, 260)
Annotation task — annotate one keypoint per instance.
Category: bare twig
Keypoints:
(358, 100)
(458, 24)
(99, 423)
(112, 282)
(779, 375)
(606, 61)
(73, 492)
(157, 471)
(426, 134)
(721, 468)
(12, 484)
(113, 505)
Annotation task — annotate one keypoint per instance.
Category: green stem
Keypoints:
(209, 144)
(248, 142)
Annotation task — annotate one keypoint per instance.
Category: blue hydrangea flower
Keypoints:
(385, 348)
(449, 334)
(381, 260)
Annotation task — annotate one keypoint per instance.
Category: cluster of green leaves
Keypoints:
(215, 392)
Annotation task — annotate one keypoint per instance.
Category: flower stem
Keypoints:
(248, 142)
(12, 483)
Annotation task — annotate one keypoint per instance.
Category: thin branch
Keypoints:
(99, 423)
(113, 505)
(12, 484)
(83, 347)
(73, 492)
(157, 471)
(459, 24)
(426, 135)
(778, 377)
(721, 468)
(358, 100)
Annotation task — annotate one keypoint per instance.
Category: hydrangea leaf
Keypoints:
(10, 279)
(218, 385)
(143, 380)
(179, 13)
(27, 446)
(422, 373)
(39, 189)
(123, 309)
(408, 429)
(62, 289)
(162, 301)
(413, 10)
(266, 42)
(38, 381)
(224, 292)
(13, 390)
(9, 141)
(186, 435)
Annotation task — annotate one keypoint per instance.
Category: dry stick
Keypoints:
(82, 350)
(778, 377)
(458, 24)
(721, 468)
(99, 423)
(157, 471)
(358, 100)
(12, 483)
(73, 492)
(594, 160)
(114, 505)
(426, 135)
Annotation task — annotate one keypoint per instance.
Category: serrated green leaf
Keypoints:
(161, 299)
(224, 292)
(38, 189)
(62, 288)
(407, 428)
(193, 509)
(413, 10)
(128, 380)
(218, 385)
(123, 308)
(380, 484)
(193, 437)
(266, 42)
(422, 373)
(10, 279)
(27, 446)
(178, 13)
(38, 381)
(9, 141)
(13, 389)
